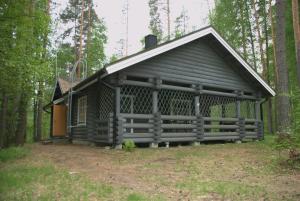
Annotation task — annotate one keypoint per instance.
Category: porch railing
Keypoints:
(147, 128)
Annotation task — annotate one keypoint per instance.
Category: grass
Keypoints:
(27, 180)
(247, 171)
(224, 189)
(13, 153)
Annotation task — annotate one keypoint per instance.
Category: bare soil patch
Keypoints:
(208, 172)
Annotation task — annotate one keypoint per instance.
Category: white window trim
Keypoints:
(78, 109)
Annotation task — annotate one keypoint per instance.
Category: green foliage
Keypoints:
(135, 197)
(13, 153)
(95, 48)
(45, 182)
(93, 36)
(225, 189)
(155, 19)
(181, 24)
(128, 145)
(24, 59)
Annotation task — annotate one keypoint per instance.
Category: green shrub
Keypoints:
(286, 141)
(13, 153)
(128, 145)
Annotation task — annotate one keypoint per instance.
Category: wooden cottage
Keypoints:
(192, 89)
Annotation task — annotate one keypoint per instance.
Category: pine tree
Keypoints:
(283, 100)
(85, 28)
(181, 23)
(296, 26)
(155, 19)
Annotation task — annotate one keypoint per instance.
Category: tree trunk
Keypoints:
(260, 41)
(243, 27)
(22, 120)
(4, 107)
(270, 106)
(296, 26)
(283, 100)
(88, 41)
(168, 17)
(274, 57)
(251, 35)
(39, 116)
(80, 40)
(34, 120)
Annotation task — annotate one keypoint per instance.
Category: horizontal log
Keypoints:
(137, 83)
(170, 135)
(137, 116)
(218, 93)
(178, 126)
(250, 126)
(177, 117)
(251, 137)
(179, 139)
(250, 120)
(248, 97)
(251, 133)
(220, 133)
(139, 140)
(221, 126)
(137, 125)
(220, 119)
(207, 138)
(138, 135)
(178, 88)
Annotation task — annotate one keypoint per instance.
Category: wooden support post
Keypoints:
(242, 131)
(258, 123)
(199, 120)
(157, 127)
(241, 120)
(118, 119)
(110, 129)
(156, 113)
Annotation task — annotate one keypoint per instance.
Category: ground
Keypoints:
(247, 171)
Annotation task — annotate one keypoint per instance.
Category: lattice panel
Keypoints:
(217, 106)
(137, 100)
(248, 109)
(171, 102)
(105, 102)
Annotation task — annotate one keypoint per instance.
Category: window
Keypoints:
(81, 110)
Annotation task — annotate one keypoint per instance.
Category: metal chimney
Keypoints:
(150, 41)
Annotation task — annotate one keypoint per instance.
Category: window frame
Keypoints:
(79, 104)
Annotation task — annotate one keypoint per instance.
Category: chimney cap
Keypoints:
(150, 41)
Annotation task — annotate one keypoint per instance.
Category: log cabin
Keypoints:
(192, 89)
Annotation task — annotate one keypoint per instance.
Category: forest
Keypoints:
(33, 52)
(43, 40)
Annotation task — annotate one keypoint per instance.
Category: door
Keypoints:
(59, 120)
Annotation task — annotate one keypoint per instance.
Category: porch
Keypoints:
(159, 111)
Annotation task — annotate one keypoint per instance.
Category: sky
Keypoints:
(138, 19)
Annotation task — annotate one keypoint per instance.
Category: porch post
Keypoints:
(241, 120)
(118, 119)
(199, 118)
(156, 114)
(259, 123)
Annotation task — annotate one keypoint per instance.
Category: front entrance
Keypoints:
(59, 120)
